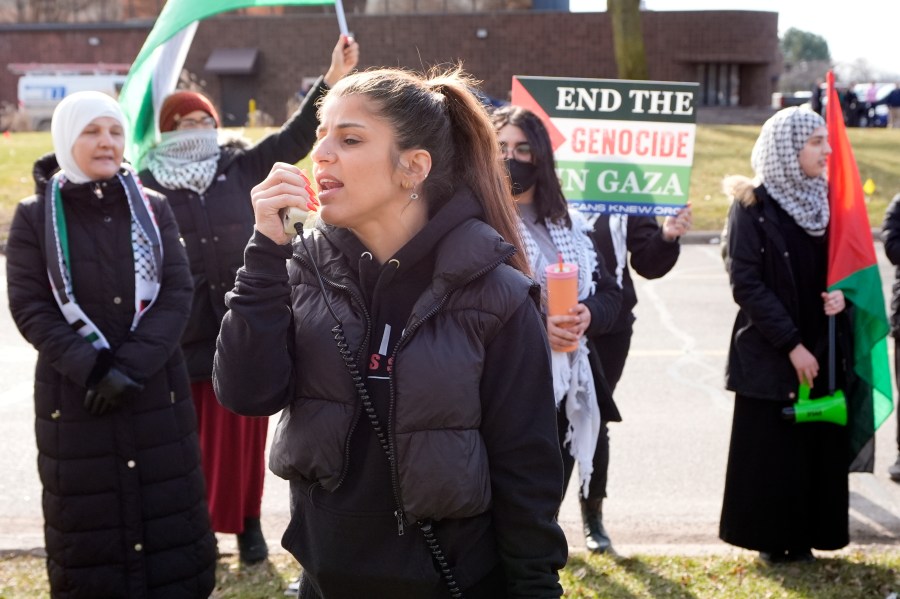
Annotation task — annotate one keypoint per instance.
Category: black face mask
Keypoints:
(522, 175)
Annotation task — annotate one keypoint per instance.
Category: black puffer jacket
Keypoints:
(216, 225)
(123, 494)
(473, 425)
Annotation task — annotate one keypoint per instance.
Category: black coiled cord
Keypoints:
(347, 356)
(361, 390)
(438, 555)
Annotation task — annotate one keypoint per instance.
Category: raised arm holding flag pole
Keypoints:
(155, 71)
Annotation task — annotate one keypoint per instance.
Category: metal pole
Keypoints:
(831, 353)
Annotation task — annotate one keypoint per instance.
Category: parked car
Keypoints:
(784, 99)
(876, 116)
(39, 91)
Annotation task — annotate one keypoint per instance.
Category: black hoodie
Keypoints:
(365, 500)
(347, 540)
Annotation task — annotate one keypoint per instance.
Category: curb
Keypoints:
(715, 237)
(702, 237)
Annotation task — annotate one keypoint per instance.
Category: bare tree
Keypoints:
(628, 38)
(141, 9)
(61, 11)
(14, 11)
(45, 11)
(8, 11)
(443, 6)
(803, 75)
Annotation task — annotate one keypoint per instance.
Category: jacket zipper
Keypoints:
(356, 410)
(395, 474)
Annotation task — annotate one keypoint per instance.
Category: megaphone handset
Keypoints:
(293, 216)
(831, 408)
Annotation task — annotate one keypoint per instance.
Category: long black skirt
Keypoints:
(786, 486)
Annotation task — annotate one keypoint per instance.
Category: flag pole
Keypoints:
(831, 326)
(831, 373)
(342, 19)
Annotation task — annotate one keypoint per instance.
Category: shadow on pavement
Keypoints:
(878, 524)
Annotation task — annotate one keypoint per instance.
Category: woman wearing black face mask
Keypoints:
(549, 229)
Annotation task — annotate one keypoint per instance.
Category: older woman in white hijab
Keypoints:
(98, 282)
(786, 487)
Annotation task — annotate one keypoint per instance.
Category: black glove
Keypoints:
(110, 392)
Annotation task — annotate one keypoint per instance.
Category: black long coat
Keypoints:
(123, 494)
(650, 255)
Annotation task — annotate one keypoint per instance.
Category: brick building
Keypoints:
(733, 54)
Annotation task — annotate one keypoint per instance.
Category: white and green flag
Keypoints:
(156, 69)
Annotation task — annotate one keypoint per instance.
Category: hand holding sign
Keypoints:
(677, 225)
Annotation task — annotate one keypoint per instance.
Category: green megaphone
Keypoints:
(831, 408)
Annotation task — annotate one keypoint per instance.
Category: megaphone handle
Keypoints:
(831, 352)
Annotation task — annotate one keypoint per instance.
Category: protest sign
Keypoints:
(620, 146)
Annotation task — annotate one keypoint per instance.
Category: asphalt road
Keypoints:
(668, 455)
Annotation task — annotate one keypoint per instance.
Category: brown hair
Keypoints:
(438, 113)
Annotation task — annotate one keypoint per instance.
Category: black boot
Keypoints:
(595, 537)
(251, 543)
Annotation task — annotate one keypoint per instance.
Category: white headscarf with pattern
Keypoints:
(775, 160)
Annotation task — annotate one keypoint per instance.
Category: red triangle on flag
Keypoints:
(521, 97)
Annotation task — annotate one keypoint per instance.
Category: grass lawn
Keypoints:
(854, 575)
(720, 150)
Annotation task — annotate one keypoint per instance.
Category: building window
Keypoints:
(719, 84)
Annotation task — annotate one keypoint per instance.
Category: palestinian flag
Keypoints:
(853, 268)
(156, 69)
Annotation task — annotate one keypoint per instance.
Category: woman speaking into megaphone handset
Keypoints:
(415, 433)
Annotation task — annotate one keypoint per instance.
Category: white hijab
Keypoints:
(70, 118)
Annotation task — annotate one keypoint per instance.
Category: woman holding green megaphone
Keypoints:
(786, 486)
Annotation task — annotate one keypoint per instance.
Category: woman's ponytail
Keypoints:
(477, 156)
